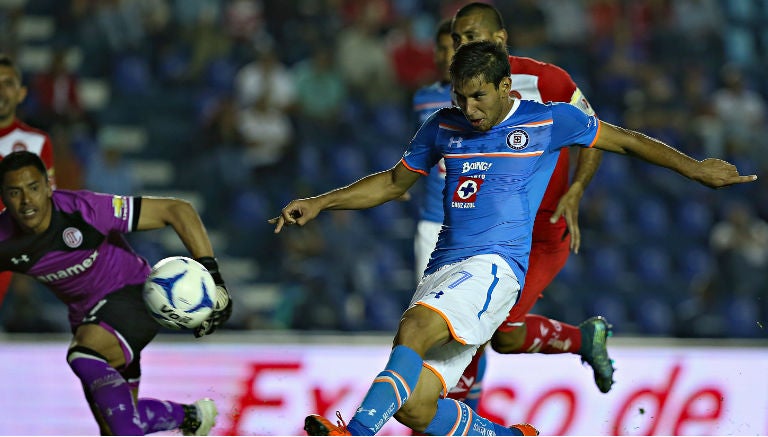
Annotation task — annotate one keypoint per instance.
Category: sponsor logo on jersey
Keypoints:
(71, 270)
(517, 139)
(18, 146)
(120, 207)
(476, 166)
(466, 192)
(72, 237)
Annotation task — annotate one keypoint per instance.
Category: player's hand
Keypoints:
(716, 173)
(568, 207)
(222, 306)
(222, 310)
(297, 212)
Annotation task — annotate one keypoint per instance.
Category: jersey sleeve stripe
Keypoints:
(535, 123)
(495, 155)
(597, 134)
(423, 172)
(450, 127)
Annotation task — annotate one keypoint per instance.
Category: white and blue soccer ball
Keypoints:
(179, 293)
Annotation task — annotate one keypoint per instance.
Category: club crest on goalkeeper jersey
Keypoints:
(83, 256)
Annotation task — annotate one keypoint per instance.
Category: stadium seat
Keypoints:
(652, 218)
(694, 219)
(131, 76)
(653, 266)
(654, 316)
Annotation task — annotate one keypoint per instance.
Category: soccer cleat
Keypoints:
(199, 417)
(594, 335)
(525, 429)
(318, 425)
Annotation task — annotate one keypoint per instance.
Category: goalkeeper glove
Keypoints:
(222, 306)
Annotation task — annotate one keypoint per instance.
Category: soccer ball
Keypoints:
(179, 293)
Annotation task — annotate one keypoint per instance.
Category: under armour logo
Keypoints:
(371, 412)
(437, 294)
(23, 258)
(455, 142)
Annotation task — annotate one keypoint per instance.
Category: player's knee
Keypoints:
(420, 328)
(508, 341)
(77, 355)
(415, 416)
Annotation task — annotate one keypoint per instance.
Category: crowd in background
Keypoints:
(254, 102)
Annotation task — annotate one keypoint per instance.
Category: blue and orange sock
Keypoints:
(388, 392)
(456, 418)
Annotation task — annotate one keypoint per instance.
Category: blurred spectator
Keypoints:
(742, 113)
(526, 27)
(56, 93)
(267, 134)
(265, 75)
(411, 58)
(120, 22)
(363, 59)
(110, 172)
(740, 242)
(321, 96)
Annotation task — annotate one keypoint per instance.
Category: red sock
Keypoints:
(549, 336)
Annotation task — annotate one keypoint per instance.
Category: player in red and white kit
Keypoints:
(555, 230)
(16, 135)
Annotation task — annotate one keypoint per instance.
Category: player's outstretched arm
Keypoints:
(714, 173)
(158, 212)
(367, 192)
(568, 205)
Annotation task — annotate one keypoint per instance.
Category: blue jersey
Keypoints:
(426, 101)
(495, 180)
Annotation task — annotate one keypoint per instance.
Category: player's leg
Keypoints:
(470, 321)
(161, 415)
(118, 328)
(92, 356)
(440, 310)
(523, 332)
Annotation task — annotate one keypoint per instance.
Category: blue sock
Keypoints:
(388, 392)
(456, 418)
(473, 397)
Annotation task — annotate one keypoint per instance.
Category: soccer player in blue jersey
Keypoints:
(72, 242)
(426, 101)
(499, 153)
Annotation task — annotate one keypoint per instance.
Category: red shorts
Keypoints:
(549, 253)
(5, 282)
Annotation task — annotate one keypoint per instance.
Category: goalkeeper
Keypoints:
(72, 241)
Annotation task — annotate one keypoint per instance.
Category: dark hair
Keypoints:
(6, 61)
(483, 60)
(444, 28)
(18, 160)
(485, 9)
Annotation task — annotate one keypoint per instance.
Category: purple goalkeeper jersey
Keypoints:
(83, 255)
